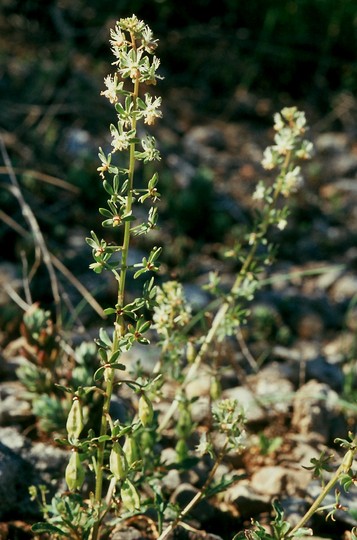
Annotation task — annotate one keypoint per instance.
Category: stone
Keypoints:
(275, 480)
(247, 400)
(14, 409)
(345, 288)
(184, 494)
(247, 500)
(315, 411)
(16, 475)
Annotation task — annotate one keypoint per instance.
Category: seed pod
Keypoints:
(145, 411)
(181, 449)
(129, 496)
(190, 352)
(184, 424)
(74, 474)
(117, 462)
(215, 388)
(74, 424)
(131, 450)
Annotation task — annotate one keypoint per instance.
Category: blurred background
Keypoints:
(229, 63)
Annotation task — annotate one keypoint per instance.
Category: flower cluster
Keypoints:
(290, 127)
(290, 146)
(133, 47)
(172, 309)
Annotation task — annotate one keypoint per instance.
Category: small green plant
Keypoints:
(114, 471)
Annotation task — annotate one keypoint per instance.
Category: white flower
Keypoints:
(120, 139)
(306, 150)
(269, 160)
(112, 87)
(152, 111)
(284, 141)
(292, 182)
(282, 223)
(278, 122)
(118, 38)
(259, 192)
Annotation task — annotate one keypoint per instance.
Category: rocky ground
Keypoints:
(293, 367)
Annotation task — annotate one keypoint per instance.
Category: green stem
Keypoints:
(199, 495)
(119, 329)
(343, 469)
(222, 311)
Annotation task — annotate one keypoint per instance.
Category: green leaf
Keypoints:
(104, 337)
(92, 243)
(64, 388)
(107, 223)
(114, 356)
(303, 531)
(110, 311)
(139, 272)
(47, 528)
(99, 373)
(118, 366)
(102, 438)
(153, 181)
(108, 188)
(105, 212)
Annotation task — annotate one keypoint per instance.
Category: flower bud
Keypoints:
(145, 410)
(74, 474)
(117, 462)
(130, 449)
(129, 496)
(74, 424)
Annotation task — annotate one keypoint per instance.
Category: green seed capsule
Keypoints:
(181, 449)
(74, 424)
(131, 450)
(184, 424)
(129, 496)
(190, 352)
(215, 388)
(117, 462)
(146, 411)
(74, 474)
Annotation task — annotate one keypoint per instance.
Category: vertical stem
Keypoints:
(343, 469)
(199, 495)
(222, 311)
(119, 327)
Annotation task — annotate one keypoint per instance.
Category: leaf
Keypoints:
(64, 388)
(303, 531)
(47, 528)
(110, 311)
(104, 337)
(114, 356)
(99, 373)
(105, 212)
(118, 366)
(108, 188)
(92, 243)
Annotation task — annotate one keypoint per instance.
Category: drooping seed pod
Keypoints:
(215, 388)
(190, 352)
(74, 474)
(184, 424)
(181, 449)
(74, 424)
(131, 450)
(117, 462)
(145, 410)
(129, 496)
